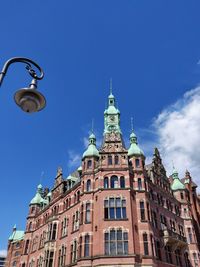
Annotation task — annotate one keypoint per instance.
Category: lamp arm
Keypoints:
(28, 63)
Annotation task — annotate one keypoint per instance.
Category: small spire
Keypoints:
(92, 128)
(111, 86)
(131, 124)
(14, 228)
(41, 177)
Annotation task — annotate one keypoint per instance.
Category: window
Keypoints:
(186, 259)
(87, 215)
(115, 208)
(190, 239)
(30, 226)
(34, 244)
(80, 246)
(182, 196)
(105, 183)
(114, 182)
(154, 219)
(89, 164)
(42, 239)
(116, 242)
(142, 211)
(139, 184)
(145, 242)
(87, 246)
(54, 231)
(195, 259)
(61, 256)
(109, 160)
(122, 182)
(64, 226)
(178, 257)
(116, 160)
(48, 258)
(168, 254)
(81, 215)
(137, 163)
(39, 262)
(26, 247)
(74, 251)
(152, 246)
(75, 221)
(14, 264)
(88, 185)
(158, 250)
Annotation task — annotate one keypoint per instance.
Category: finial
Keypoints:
(131, 124)
(111, 86)
(92, 128)
(41, 177)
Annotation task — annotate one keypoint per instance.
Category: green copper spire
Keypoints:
(177, 184)
(91, 150)
(111, 115)
(38, 196)
(134, 149)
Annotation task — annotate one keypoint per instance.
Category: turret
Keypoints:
(135, 154)
(91, 155)
(37, 201)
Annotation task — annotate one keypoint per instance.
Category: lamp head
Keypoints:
(30, 100)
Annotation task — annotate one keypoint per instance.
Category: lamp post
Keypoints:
(28, 99)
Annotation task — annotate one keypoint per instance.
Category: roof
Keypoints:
(176, 184)
(134, 149)
(16, 236)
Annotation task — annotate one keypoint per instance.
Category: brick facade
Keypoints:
(113, 211)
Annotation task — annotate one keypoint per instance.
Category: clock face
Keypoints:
(112, 118)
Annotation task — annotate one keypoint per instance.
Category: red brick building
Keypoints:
(113, 211)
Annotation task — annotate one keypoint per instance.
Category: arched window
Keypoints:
(54, 231)
(109, 160)
(186, 259)
(168, 254)
(114, 182)
(30, 226)
(14, 264)
(116, 160)
(139, 184)
(105, 184)
(122, 182)
(178, 257)
(89, 164)
(78, 196)
(145, 242)
(137, 163)
(87, 246)
(88, 185)
(142, 211)
(81, 215)
(67, 203)
(87, 215)
(26, 247)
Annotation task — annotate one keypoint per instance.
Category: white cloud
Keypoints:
(3, 253)
(74, 160)
(178, 134)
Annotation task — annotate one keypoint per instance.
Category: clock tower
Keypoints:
(111, 117)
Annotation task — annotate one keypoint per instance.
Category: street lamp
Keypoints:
(28, 99)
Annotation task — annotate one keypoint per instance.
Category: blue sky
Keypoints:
(151, 49)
